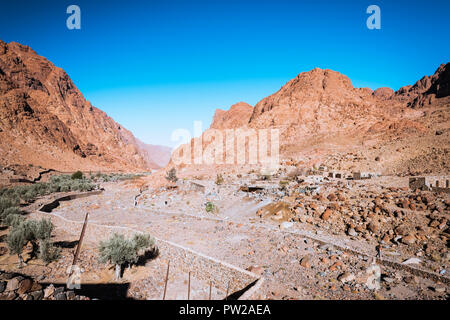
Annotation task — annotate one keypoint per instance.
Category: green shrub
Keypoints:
(43, 229)
(219, 179)
(7, 202)
(142, 241)
(172, 175)
(119, 251)
(9, 212)
(13, 220)
(48, 252)
(77, 175)
(16, 240)
(211, 208)
(36, 231)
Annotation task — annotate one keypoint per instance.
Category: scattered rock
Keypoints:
(412, 261)
(306, 261)
(346, 277)
(24, 286)
(409, 239)
(326, 215)
(60, 296)
(13, 284)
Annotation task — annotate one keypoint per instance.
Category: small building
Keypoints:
(365, 175)
(430, 183)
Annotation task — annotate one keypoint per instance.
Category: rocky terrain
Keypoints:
(335, 239)
(301, 230)
(45, 121)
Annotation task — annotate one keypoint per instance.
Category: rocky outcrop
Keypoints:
(237, 116)
(425, 91)
(46, 121)
(14, 286)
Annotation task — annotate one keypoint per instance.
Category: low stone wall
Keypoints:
(55, 203)
(207, 268)
(202, 267)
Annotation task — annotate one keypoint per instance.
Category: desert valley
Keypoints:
(356, 207)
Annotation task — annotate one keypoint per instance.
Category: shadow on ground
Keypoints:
(236, 295)
(148, 256)
(66, 244)
(101, 291)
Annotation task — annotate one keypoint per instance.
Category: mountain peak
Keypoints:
(237, 116)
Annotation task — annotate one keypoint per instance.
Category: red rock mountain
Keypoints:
(323, 118)
(46, 121)
(237, 116)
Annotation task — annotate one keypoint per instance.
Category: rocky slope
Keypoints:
(46, 121)
(323, 118)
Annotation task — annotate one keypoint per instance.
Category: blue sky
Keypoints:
(156, 66)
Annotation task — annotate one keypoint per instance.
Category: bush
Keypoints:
(12, 211)
(42, 229)
(29, 230)
(210, 207)
(142, 241)
(13, 220)
(119, 251)
(48, 252)
(16, 240)
(219, 179)
(7, 202)
(77, 175)
(172, 175)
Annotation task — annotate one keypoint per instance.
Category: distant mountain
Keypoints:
(46, 121)
(154, 154)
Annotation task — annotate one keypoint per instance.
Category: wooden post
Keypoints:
(228, 288)
(80, 241)
(210, 289)
(167, 278)
(189, 286)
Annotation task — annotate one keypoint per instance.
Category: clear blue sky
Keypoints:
(156, 66)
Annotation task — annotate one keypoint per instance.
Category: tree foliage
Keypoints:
(119, 250)
(48, 252)
(172, 175)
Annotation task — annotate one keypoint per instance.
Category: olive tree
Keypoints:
(172, 175)
(24, 231)
(119, 250)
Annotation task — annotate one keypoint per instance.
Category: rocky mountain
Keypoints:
(237, 116)
(323, 118)
(45, 120)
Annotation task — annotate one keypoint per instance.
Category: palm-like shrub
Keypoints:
(119, 250)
